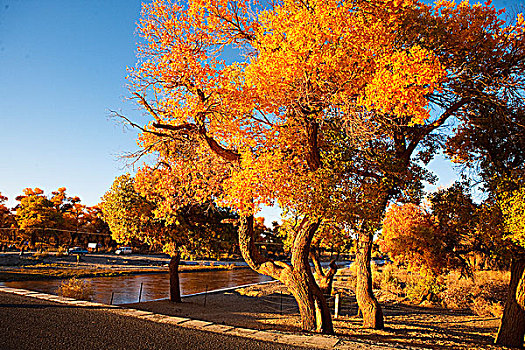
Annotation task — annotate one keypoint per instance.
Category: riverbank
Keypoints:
(34, 266)
(270, 307)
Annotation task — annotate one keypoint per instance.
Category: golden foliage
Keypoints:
(76, 289)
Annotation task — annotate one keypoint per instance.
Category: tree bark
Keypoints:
(174, 278)
(368, 304)
(511, 332)
(324, 279)
(298, 278)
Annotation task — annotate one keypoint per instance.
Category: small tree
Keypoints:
(191, 230)
(35, 213)
(436, 239)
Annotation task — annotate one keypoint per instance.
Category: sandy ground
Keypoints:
(259, 307)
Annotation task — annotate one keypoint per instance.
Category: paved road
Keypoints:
(28, 323)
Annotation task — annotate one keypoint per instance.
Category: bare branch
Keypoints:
(146, 105)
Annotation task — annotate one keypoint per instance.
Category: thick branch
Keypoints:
(302, 241)
(222, 152)
(187, 126)
(251, 254)
(227, 154)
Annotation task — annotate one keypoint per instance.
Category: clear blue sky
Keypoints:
(62, 68)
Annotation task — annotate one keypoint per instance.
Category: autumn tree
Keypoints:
(35, 213)
(410, 237)
(253, 130)
(7, 219)
(129, 217)
(326, 107)
(72, 212)
(389, 167)
(491, 141)
(438, 238)
(192, 230)
(124, 210)
(92, 221)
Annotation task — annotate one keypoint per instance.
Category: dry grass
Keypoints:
(483, 293)
(77, 289)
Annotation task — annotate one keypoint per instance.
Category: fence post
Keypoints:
(205, 295)
(336, 306)
(281, 308)
(111, 301)
(140, 292)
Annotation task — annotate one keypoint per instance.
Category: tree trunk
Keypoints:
(32, 241)
(324, 279)
(57, 240)
(512, 329)
(368, 305)
(174, 278)
(298, 278)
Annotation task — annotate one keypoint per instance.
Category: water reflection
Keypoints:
(126, 289)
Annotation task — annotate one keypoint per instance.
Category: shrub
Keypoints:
(457, 293)
(421, 287)
(484, 293)
(392, 280)
(76, 289)
(61, 251)
(40, 255)
(484, 307)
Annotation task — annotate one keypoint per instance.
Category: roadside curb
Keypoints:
(308, 340)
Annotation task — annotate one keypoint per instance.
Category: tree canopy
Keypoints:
(325, 110)
(196, 231)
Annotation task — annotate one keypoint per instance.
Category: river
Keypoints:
(126, 289)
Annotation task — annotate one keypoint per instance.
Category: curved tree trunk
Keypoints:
(368, 304)
(174, 278)
(512, 329)
(298, 278)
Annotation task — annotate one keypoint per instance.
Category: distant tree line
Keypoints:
(53, 220)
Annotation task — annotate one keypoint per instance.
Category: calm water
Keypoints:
(154, 286)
